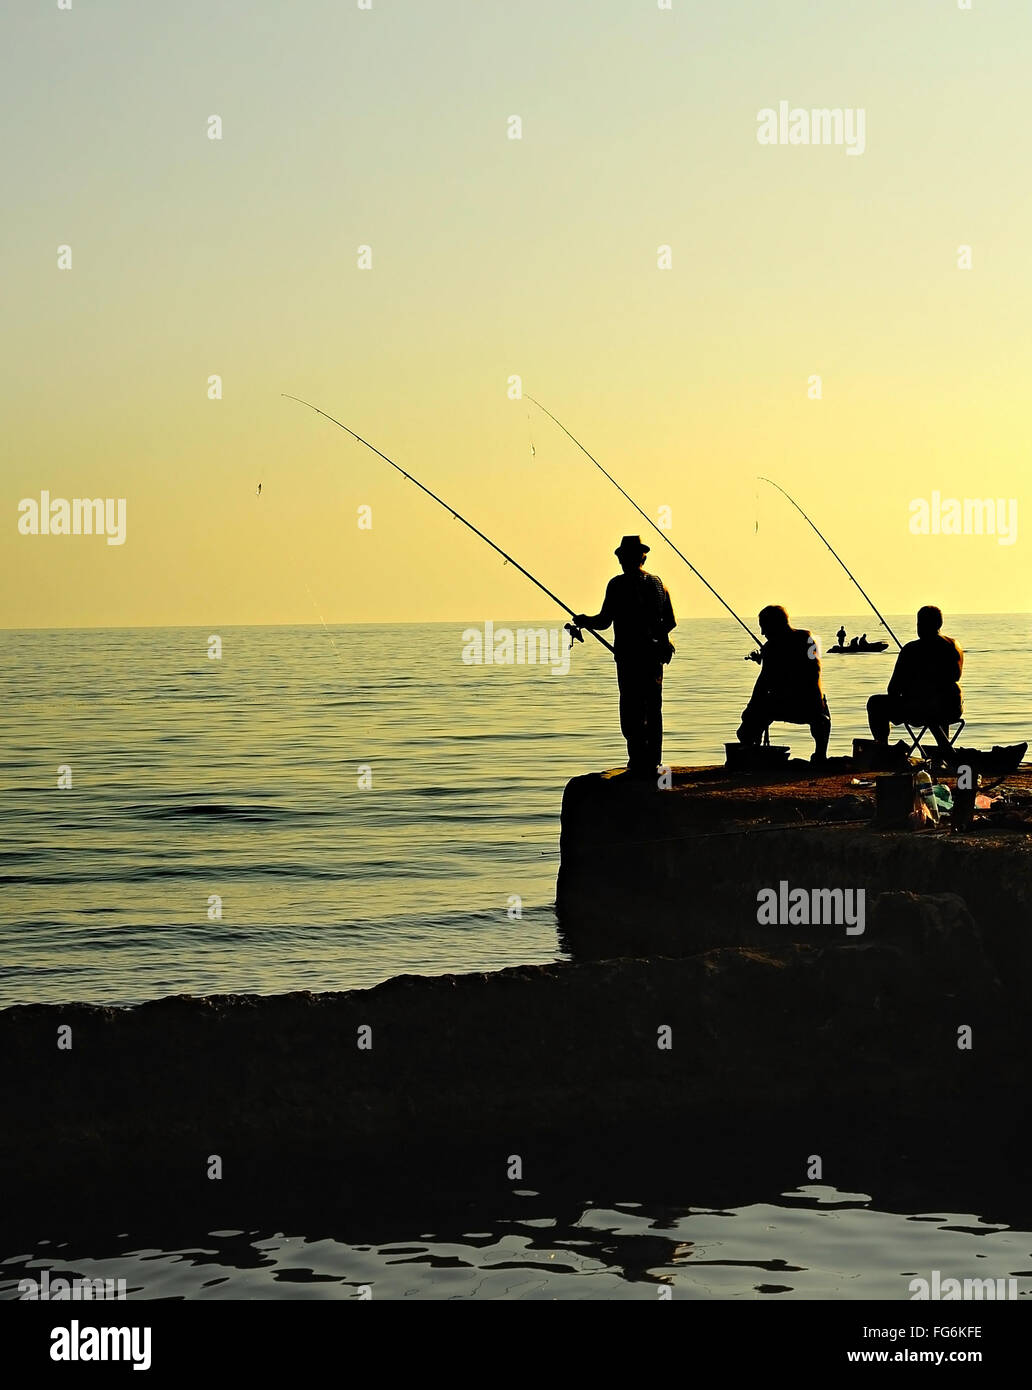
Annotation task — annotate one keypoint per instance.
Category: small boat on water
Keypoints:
(857, 651)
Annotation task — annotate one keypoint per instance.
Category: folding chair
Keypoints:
(915, 739)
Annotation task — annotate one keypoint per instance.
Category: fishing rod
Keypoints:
(838, 557)
(659, 529)
(571, 628)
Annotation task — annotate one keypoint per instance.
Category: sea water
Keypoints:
(326, 808)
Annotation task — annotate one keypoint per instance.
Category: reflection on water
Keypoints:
(813, 1243)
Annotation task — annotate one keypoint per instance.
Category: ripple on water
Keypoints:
(812, 1244)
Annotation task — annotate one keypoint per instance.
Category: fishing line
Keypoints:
(647, 518)
(574, 631)
(838, 557)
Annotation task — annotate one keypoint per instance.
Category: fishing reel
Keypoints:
(575, 634)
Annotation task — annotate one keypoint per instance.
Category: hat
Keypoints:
(631, 545)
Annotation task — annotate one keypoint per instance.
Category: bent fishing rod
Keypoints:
(571, 628)
(647, 518)
(838, 557)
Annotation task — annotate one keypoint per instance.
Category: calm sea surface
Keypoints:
(240, 779)
(198, 782)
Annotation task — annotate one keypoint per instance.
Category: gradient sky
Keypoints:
(494, 257)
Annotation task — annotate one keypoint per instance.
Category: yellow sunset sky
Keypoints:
(495, 257)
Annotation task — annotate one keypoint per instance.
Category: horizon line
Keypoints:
(440, 622)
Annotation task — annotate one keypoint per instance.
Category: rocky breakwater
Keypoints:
(686, 1035)
(926, 934)
(724, 859)
(531, 1077)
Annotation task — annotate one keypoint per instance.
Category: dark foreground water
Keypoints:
(813, 1243)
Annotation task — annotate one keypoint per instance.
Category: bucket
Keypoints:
(750, 757)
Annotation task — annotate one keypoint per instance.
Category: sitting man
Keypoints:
(925, 684)
(788, 687)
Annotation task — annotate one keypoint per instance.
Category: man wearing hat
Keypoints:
(638, 607)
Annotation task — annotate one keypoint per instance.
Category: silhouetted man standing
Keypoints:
(638, 607)
(925, 684)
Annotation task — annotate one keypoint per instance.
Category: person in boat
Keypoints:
(638, 607)
(788, 687)
(863, 641)
(841, 636)
(925, 684)
(854, 644)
